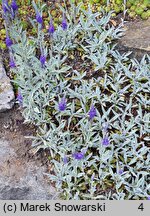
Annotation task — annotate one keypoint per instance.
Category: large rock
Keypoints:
(21, 179)
(21, 170)
(6, 91)
(8, 193)
(136, 39)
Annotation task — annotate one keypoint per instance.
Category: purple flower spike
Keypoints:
(92, 112)
(120, 172)
(8, 41)
(20, 98)
(105, 126)
(65, 160)
(12, 63)
(93, 176)
(39, 18)
(62, 104)
(14, 5)
(148, 198)
(105, 141)
(78, 155)
(5, 6)
(64, 23)
(51, 27)
(42, 60)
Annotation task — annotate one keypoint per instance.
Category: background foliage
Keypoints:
(132, 9)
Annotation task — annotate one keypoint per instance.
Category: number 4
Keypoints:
(141, 207)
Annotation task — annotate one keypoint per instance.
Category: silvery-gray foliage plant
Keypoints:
(89, 103)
